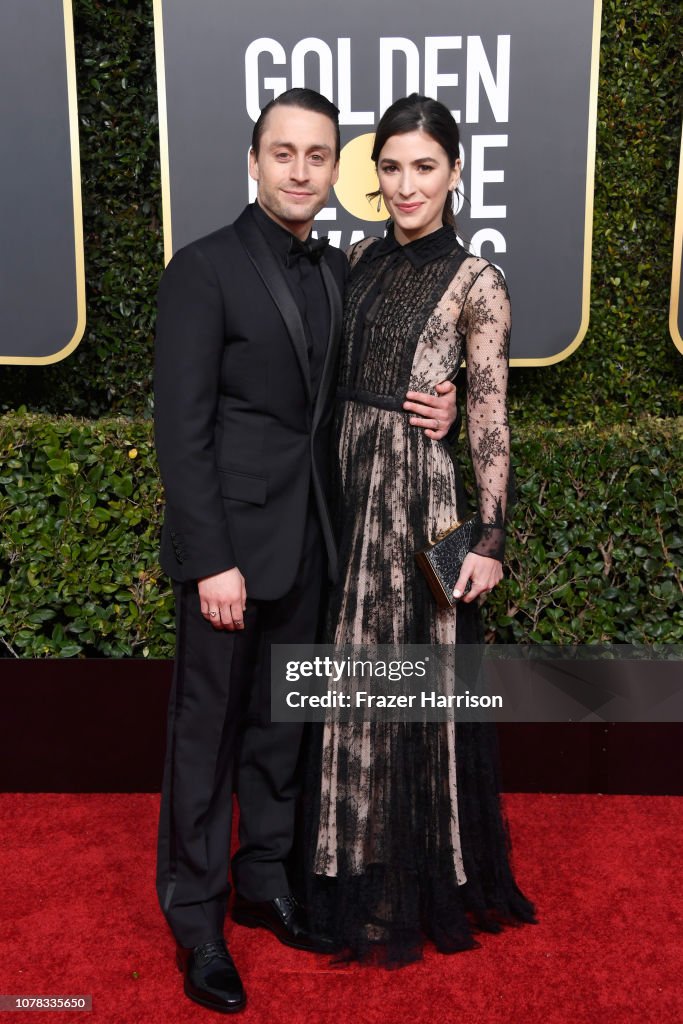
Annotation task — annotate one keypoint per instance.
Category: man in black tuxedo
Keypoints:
(247, 336)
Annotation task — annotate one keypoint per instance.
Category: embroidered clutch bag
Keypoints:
(442, 560)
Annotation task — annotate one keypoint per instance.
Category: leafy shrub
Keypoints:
(596, 542)
(594, 554)
(80, 508)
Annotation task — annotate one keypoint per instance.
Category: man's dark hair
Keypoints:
(305, 99)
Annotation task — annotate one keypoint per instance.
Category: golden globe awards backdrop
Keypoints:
(520, 77)
(675, 308)
(42, 282)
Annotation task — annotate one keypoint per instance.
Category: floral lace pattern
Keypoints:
(388, 833)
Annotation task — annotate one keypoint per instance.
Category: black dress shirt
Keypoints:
(306, 285)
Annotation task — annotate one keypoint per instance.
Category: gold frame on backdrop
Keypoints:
(590, 195)
(590, 174)
(79, 253)
(674, 303)
(163, 129)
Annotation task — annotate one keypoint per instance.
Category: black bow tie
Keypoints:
(312, 250)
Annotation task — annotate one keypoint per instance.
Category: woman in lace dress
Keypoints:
(408, 840)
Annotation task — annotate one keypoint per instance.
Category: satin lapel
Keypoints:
(270, 271)
(330, 366)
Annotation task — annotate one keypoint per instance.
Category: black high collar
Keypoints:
(419, 252)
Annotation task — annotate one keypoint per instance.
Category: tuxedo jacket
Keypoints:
(242, 442)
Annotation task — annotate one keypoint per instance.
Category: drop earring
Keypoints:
(379, 202)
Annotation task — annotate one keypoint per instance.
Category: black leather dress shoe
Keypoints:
(284, 917)
(211, 978)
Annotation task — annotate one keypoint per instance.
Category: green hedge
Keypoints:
(595, 549)
(626, 366)
(596, 546)
(80, 514)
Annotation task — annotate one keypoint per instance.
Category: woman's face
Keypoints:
(415, 177)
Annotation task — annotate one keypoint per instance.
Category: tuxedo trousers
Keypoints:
(220, 741)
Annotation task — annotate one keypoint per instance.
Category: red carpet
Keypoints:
(79, 917)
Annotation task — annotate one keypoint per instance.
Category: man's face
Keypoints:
(296, 166)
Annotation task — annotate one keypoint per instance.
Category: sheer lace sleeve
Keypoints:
(486, 320)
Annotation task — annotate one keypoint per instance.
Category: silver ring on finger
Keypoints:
(213, 614)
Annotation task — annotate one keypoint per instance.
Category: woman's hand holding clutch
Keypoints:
(485, 573)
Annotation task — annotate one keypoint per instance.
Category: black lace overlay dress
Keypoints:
(405, 835)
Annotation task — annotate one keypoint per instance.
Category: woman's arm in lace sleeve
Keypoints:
(486, 316)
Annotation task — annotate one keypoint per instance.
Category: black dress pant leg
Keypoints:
(210, 687)
(219, 712)
(268, 781)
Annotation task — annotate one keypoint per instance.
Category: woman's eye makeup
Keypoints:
(390, 168)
